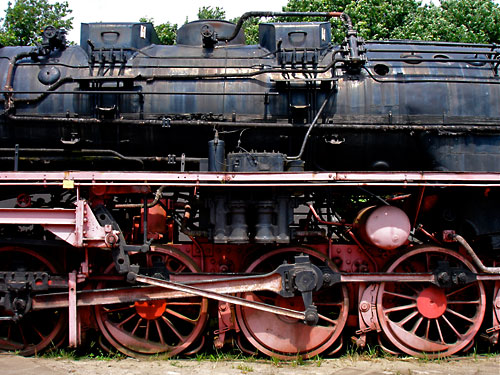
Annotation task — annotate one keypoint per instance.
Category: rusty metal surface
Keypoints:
(129, 295)
(222, 297)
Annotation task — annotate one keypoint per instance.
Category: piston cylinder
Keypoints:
(386, 227)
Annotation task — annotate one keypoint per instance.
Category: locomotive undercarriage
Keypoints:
(285, 264)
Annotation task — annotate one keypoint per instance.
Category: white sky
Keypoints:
(173, 11)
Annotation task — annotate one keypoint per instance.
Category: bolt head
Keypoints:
(364, 306)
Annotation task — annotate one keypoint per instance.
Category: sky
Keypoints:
(173, 11)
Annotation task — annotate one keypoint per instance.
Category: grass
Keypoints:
(93, 351)
(245, 369)
(356, 353)
(352, 352)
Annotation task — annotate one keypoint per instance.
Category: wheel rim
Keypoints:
(158, 326)
(284, 337)
(37, 330)
(423, 319)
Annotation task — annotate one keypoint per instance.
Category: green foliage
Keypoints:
(25, 20)
(250, 28)
(474, 21)
(468, 21)
(210, 13)
(167, 32)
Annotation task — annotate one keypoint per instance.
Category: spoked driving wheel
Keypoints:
(424, 319)
(37, 330)
(285, 337)
(157, 326)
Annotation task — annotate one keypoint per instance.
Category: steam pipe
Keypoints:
(10, 76)
(313, 124)
(248, 124)
(155, 201)
(248, 15)
(475, 258)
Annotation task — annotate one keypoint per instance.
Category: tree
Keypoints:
(474, 21)
(210, 13)
(373, 19)
(167, 32)
(467, 21)
(25, 20)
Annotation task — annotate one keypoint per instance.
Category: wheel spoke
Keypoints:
(322, 317)
(180, 316)
(452, 327)
(146, 336)
(407, 319)
(158, 329)
(410, 286)
(400, 308)
(416, 325)
(181, 268)
(172, 328)
(109, 311)
(439, 331)
(458, 290)
(400, 295)
(37, 331)
(427, 330)
(463, 302)
(136, 326)
(460, 315)
(126, 320)
(21, 331)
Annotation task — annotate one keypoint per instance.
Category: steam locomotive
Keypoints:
(297, 192)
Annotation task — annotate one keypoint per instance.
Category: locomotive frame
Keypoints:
(288, 258)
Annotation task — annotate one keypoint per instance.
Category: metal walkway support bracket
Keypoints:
(78, 227)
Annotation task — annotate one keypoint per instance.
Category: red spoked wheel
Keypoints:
(288, 338)
(37, 330)
(422, 319)
(157, 326)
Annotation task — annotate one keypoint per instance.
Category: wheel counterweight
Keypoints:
(288, 338)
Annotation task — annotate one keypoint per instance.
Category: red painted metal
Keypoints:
(431, 302)
(285, 337)
(494, 332)
(133, 329)
(368, 320)
(78, 227)
(151, 310)
(74, 331)
(417, 326)
(227, 322)
(39, 329)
